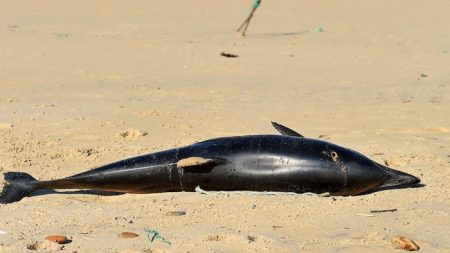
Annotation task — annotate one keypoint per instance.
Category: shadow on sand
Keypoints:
(109, 193)
(393, 188)
(263, 35)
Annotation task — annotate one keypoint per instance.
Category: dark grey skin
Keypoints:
(281, 163)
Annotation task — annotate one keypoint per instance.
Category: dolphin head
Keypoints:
(361, 174)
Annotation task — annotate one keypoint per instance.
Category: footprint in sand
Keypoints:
(133, 134)
(259, 242)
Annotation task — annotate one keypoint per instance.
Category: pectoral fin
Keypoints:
(285, 131)
(198, 164)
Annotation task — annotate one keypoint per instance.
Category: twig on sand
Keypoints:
(384, 210)
(365, 215)
(246, 23)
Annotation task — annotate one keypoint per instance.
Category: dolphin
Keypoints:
(279, 163)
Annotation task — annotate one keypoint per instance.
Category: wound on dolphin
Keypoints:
(278, 163)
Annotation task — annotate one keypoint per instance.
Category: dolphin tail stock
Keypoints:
(18, 185)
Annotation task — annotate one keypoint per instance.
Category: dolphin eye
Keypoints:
(334, 156)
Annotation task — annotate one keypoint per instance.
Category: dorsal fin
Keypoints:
(284, 130)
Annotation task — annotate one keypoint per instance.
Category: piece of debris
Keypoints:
(229, 55)
(128, 235)
(176, 213)
(2, 232)
(323, 136)
(60, 239)
(384, 210)
(319, 30)
(153, 234)
(422, 76)
(255, 6)
(401, 242)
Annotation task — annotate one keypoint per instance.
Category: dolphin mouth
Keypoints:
(398, 178)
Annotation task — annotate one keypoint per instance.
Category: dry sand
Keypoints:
(84, 83)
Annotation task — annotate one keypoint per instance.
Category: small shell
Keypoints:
(128, 235)
(401, 242)
(57, 238)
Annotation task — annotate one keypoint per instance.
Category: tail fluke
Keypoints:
(18, 186)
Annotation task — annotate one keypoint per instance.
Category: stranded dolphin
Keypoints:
(284, 163)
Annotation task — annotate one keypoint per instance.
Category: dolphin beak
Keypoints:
(398, 178)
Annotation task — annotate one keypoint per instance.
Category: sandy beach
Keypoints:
(85, 83)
